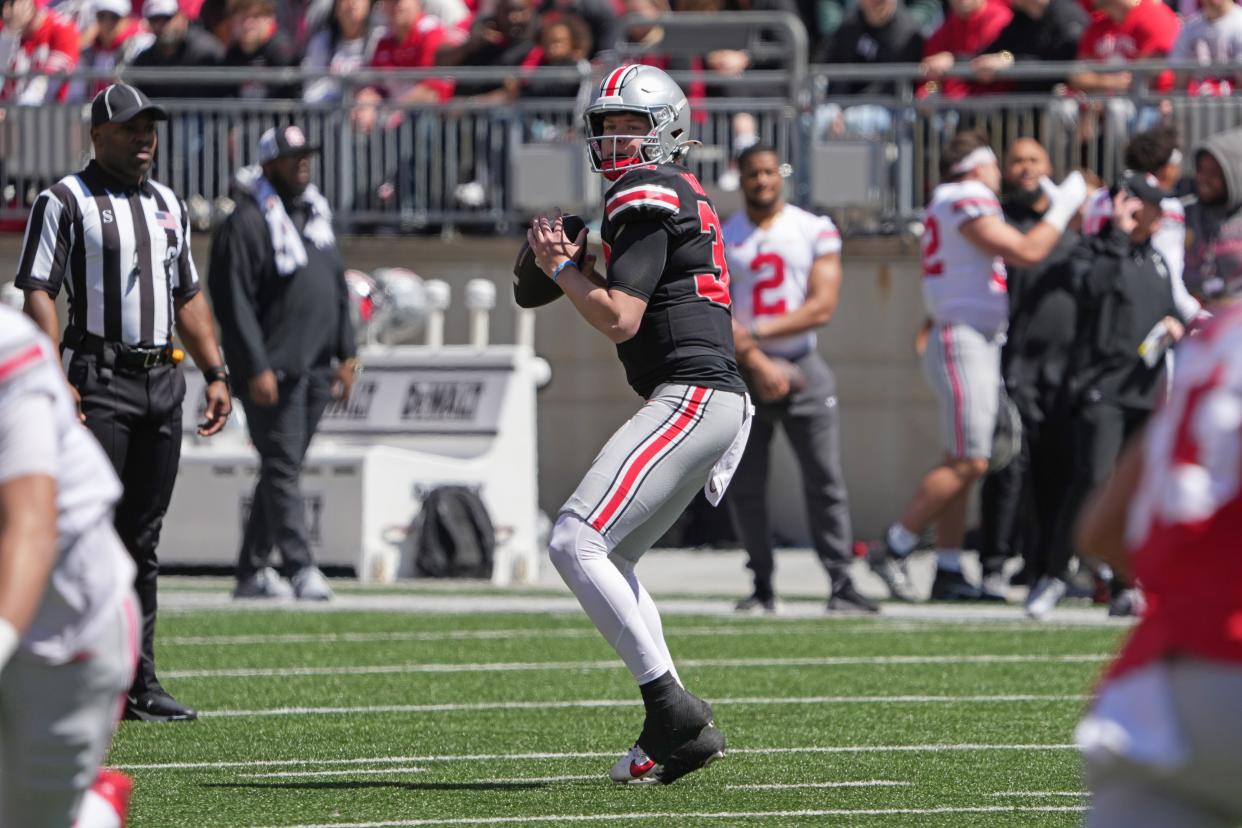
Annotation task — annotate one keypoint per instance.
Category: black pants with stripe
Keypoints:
(136, 416)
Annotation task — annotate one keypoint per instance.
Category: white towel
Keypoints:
(286, 241)
(720, 475)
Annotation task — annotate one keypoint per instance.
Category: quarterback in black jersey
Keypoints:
(664, 302)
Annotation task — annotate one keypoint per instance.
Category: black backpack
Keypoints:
(453, 535)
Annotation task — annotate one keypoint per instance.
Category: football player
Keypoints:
(665, 302)
(966, 243)
(786, 269)
(68, 613)
(1163, 739)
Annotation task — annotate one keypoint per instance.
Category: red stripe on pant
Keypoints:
(133, 635)
(955, 384)
(644, 458)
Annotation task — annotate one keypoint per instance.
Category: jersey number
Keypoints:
(714, 287)
(932, 266)
(769, 281)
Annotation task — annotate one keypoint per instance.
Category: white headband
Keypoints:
(977, 158)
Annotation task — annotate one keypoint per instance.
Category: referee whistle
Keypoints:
(177, 356)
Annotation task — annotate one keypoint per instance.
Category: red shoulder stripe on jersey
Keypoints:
(1176, 218)
(661, 198)
(23, 358)
(962, 204)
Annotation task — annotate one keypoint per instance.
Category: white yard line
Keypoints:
(1042, 793)
(604, 703)
(827, 628)
(612, 664)
(681, 815)
(782, 786)
(550, 756)
(349, 772)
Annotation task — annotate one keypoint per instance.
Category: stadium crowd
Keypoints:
(342, 36)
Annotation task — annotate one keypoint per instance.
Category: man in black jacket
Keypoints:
(1116, 375)
(1022, 499)
(178, 45)
(1039, 30)
(277, 281)
(878, 31)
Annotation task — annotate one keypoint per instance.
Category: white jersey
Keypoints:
(40, 435)
(770, 269)
(961, 283)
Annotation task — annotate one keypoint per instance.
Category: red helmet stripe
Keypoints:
(612, 84)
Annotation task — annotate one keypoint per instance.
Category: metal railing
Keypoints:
(453, 164)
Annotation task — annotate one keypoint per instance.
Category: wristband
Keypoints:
(556, 271)
(216, 373)
(8, 641)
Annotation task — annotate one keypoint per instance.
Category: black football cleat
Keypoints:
(157, 706)
(692, 755)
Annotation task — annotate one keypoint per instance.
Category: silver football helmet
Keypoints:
(646, 91)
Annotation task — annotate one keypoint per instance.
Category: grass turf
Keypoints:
(419, 762)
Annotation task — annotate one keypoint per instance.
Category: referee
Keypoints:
(119, 243)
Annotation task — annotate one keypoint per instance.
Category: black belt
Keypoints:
(124, 357)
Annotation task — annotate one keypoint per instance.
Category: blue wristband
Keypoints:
(556, 271)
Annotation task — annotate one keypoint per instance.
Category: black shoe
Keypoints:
(953, 586)
(157, 706)
(694, 754)
(755, 605)
(846, 598)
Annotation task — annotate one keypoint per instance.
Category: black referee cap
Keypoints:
(120, 103)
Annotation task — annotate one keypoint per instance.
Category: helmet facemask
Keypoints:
(653, 148)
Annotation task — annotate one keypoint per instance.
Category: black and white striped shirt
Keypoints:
(125, 249)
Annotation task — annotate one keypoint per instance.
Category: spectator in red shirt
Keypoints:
(411, 43)
(1129, 30)
(34, 41)
(971, 26)
(118, 39)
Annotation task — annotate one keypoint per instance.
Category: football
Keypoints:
(531, 286)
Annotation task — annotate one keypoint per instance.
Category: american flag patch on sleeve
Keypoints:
(166, 220)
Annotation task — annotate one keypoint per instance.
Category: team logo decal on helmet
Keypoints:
(650, 93)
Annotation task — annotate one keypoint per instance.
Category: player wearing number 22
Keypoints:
(665, 303)
(966, 244)
(786, 269)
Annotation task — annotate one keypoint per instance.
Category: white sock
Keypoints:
(97, 812)
(580, 555)
(901, 540)
(949, 560)
(647, 610)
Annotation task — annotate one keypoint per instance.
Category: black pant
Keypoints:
(136, 416)
(1020, 504)
(811, 420)
(1098, 433)
(281, 434)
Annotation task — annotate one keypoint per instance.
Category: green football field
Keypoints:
(362, 716)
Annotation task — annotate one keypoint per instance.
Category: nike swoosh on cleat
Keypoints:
(637, 769)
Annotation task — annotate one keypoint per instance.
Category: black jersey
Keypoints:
(686, 333)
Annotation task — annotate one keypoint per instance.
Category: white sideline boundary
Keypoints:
(613, 664)
(785, 786)
(682, 815)
(827, 627)
(758, 701)
(553, 756)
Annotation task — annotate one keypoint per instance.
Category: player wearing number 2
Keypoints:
(665, 303)
(965, 246)
(786, 269)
